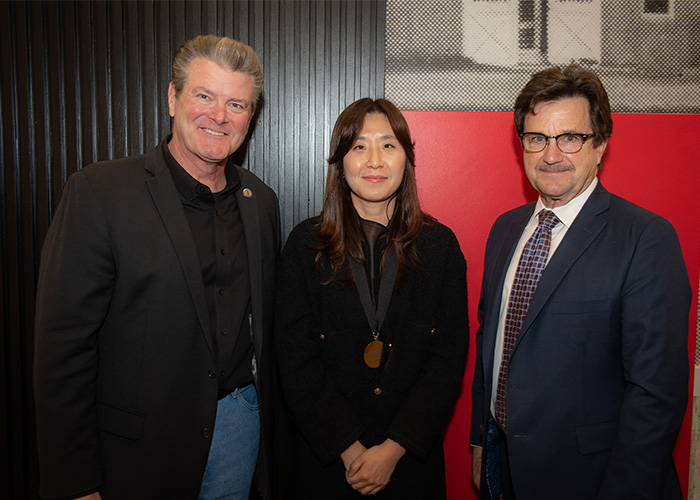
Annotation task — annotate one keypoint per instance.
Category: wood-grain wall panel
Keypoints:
(83, 81)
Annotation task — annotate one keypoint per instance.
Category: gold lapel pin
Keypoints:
(247, 193)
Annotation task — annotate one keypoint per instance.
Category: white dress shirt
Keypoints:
(566, 214)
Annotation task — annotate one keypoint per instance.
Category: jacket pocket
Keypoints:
(119, 422)
(596, 438)
(335, 345)
(581, 306)
(336, 350)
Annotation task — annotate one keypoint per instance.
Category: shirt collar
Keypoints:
(188, 187)
(566, 213)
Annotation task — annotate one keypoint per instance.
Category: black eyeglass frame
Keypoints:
(584, 138)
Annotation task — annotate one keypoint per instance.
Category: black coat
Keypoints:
(125, 362)
(334, 398)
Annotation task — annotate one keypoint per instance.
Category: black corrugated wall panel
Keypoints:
(82, 81)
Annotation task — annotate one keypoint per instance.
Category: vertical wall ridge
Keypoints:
(85, 81)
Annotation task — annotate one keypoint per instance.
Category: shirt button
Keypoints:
(221, 291)
(211, 373)
(377, 391)
(322, 337)
(223, 251)
(206, 432)
(223, 331)
(222, 373)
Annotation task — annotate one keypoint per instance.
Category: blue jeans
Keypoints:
(234, 447)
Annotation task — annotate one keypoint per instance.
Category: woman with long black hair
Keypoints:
(371, 329)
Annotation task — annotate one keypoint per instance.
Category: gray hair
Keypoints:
(226, 52)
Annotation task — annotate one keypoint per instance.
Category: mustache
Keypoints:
(555, 168)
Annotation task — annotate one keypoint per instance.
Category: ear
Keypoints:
(600, 151)
(171, 99)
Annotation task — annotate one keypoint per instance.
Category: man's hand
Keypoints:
(476, 466)
(371, 471)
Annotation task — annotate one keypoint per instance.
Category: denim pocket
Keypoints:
(248, 397)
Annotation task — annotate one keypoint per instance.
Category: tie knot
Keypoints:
(547, 219)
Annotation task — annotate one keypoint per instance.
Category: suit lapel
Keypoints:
(250, 218)
(578, 238)
(167, 201)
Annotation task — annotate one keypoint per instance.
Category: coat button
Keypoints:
(211, 373)
(206, 432)
(377, 391)
(322, 337)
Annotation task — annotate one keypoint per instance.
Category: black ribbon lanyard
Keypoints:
(374, 352)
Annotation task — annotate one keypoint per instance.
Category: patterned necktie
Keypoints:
(532, 262)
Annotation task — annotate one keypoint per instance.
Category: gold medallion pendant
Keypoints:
(373, 352)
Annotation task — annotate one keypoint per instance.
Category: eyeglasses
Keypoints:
(567, 143)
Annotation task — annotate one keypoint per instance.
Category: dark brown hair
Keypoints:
(340, 232)
(554, 84)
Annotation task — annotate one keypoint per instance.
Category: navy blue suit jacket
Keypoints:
(597, 382)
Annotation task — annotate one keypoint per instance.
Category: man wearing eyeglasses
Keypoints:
(581, 376)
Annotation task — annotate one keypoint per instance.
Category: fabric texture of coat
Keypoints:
(597, 381)
(334, 398)
(125, 360)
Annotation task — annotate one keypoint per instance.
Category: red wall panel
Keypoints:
(469, 172)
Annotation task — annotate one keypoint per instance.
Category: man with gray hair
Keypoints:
(152, 363)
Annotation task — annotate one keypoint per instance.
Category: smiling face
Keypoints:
(560, 177)
(374, 169)
(210, 116)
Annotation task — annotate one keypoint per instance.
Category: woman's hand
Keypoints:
(350, 455)
(94, 496)
(371, 471)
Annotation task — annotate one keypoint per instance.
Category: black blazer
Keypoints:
(321, 332)
(125, 363)
(597, 382)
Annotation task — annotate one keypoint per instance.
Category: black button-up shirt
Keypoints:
(217, 230)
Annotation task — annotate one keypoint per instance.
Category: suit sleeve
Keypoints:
(654, 327)
(73, 295)
(478, 397)
(429, 403)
